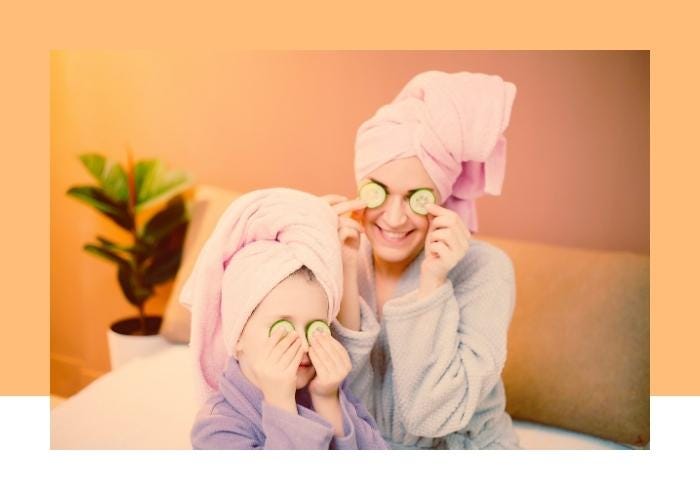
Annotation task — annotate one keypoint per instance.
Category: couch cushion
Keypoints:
(578, 347)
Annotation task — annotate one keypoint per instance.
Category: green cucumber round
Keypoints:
(315, 327)
(373, 194)
(286, 325)
(419, 199)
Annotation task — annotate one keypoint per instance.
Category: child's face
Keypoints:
(396, 233)
(296, 299)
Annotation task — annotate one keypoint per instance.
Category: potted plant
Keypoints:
(154, 250)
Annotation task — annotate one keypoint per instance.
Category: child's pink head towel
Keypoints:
(260, 239)
(454, 124)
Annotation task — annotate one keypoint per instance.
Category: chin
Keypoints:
(303, 379)
(394, 255)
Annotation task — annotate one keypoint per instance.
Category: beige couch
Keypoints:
(578, 350)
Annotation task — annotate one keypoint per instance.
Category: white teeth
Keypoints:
(391, 235)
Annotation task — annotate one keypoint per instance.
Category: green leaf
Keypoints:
(112, 178)
(98, 199)
(164, 222)
(163, 267)
(133, 291)
(137, 249)
(106, 253)
(154, 183)
(95, 164)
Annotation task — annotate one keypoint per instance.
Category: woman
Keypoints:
(426, 308)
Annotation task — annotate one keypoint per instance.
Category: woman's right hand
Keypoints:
(349, 229)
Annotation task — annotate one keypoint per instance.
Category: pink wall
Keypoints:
(578, 149)
(578, 170)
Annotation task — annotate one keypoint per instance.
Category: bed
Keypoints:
(576, 375)
(148, 403)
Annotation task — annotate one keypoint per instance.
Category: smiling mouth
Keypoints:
(393, 236)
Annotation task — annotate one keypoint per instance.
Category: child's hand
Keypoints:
(332, 364)
(276, 372)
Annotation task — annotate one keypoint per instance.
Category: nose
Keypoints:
(394, 214)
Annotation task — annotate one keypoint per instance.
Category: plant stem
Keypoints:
(142, 318)
(135, 232)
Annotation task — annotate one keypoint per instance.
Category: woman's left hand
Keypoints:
(446, 243)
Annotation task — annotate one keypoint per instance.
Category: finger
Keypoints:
(349, 206)
(341, 352)
(332, 199)
(346, 234)
(283, 345)
(294, 364)
(437, 210)
(347, 222)
(447, 236)
(332, 357)
(448, 220)
(318, 359)
(289, 342)
(275, 338)
(290, 354)
(439, 248)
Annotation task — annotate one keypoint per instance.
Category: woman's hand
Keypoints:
(349, 229)
(332, 364)
(276, 371)
(446, 243)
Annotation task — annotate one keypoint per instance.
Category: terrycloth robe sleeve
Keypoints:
(448, 349)
(359, 345)
(360, 431)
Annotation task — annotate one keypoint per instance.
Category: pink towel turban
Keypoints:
(454, 124)
(260, 239)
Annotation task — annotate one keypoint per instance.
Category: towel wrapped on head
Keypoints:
(260, 239)
(454, 124)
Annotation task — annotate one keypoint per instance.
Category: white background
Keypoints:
(29, 469)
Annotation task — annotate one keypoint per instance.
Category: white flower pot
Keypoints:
(124, 347)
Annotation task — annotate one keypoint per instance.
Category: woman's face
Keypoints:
(297, 299)
(396, 233)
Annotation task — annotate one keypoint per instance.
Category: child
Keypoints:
(262, 293)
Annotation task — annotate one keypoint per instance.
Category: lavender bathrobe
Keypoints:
(237, 417)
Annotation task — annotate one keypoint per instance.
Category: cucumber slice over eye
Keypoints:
(419, 199)
(316, 327)
(373, 194)
(286, 326)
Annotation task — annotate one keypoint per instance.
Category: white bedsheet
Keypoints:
(148, 403)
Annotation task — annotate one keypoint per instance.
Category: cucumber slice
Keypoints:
(316, 327)
(285, 325)
(373, 194)
(419, 199)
